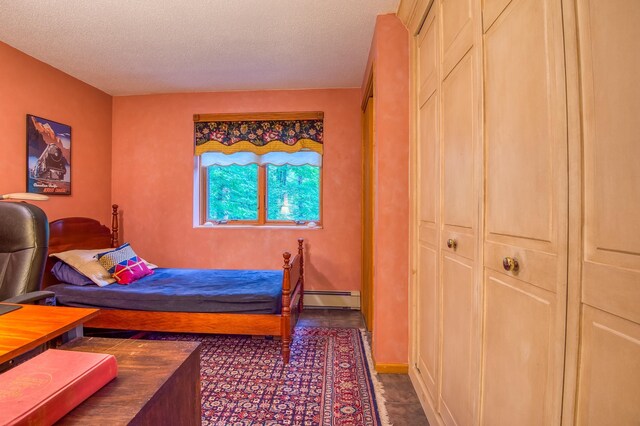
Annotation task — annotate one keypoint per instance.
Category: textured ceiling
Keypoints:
(159, 46)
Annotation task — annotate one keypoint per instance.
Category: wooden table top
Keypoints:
(32, 325)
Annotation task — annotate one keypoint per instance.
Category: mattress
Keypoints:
(183, 290)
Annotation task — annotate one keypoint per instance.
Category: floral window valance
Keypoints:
(258, 133)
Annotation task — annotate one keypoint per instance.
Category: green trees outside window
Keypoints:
(291, 193)
(233, 193)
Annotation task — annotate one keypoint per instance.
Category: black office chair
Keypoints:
(24, 240)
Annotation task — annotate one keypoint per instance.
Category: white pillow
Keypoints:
(85, 262)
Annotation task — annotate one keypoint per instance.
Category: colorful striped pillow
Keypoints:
(124, 264)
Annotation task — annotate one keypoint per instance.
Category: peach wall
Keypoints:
(389, 57)
(153, 184)
(28, 86)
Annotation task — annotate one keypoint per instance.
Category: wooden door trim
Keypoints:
(574, 239)
(368, 88)
(368, 302)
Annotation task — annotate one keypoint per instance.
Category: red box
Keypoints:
(46, 387)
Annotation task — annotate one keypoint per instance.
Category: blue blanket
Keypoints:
(183, 290)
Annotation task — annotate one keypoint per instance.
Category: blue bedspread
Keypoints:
(183, 290)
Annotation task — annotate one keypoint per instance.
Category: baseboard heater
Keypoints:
(332, 299)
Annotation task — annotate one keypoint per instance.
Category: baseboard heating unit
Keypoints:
(332, 299)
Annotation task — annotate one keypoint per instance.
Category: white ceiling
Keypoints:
(126, 47)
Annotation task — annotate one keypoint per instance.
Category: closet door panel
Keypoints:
(427, 317)
(491, 9)
(428, 155)
(523, 141)
(458, 197)
(428, 59)
(457, 32)
(614, 290)
(611, 103)
(518, 346)
(612, 144)
(609, 370)
(465, 244)
(534, 266)
(457, 397)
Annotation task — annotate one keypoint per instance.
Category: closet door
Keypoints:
(526, 205)
(427, 335)
(609, 364)
(459, 278)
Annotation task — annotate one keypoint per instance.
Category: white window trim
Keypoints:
(201, 162)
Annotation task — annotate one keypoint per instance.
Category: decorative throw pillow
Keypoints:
(85, 262)
(124, 264)
(66, 274)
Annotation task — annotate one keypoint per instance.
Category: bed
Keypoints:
(266, 303)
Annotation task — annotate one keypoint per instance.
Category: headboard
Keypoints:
(78, 233)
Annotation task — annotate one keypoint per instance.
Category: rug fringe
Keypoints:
(377, 385)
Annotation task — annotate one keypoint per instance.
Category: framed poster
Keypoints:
(48, 157)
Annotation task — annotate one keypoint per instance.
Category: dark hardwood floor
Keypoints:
(402, 403)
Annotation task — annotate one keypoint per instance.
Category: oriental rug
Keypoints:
(329, 379)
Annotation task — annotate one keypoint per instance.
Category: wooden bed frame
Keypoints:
(84, 233)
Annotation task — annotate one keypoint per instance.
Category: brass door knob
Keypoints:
(510, 264)
(452, 244)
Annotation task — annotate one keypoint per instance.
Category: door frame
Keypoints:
(367, 288)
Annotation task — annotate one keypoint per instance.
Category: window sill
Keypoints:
(291, 227)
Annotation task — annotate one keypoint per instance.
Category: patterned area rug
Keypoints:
(327, 382)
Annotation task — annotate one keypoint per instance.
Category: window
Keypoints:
(244, 181)
(232, 193)
(262, 194)
(293, 193)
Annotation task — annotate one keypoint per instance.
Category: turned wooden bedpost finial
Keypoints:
(301, 255)
(114, 226)
(286, 283)
(286, 310)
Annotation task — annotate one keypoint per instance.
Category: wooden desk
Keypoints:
(33, 325)
(158, 383)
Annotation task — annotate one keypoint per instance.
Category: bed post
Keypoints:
(114, 226)
(301, 254)
(286, 311)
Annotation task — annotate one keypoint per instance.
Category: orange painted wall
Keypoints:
(28, 86)
(153, 184)
(389, 57)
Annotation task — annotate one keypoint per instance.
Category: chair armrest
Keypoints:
(34, 296)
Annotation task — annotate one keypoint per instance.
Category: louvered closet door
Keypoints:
(526, 208)
(459, 278)
(428, 193)
(609, 366)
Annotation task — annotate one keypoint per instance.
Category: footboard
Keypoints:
(292, 296)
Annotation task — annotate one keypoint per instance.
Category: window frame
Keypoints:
(203, 172)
